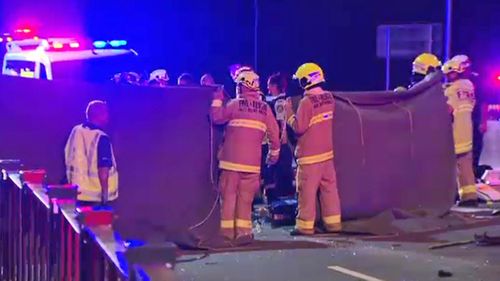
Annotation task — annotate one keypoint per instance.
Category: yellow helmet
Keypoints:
(245, 76)
(425, 64)
(309, 75)
(459, 64)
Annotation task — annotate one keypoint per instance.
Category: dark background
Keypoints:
(199, 36)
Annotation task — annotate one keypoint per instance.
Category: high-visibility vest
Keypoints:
(81, 165)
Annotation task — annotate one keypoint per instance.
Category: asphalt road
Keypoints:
(350, 258)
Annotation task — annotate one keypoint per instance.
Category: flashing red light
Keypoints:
(36, 38)
(57, 45)
(25, 30)
(498, 77)
(9, 39)
(74, 45)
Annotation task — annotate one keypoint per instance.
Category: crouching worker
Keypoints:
(90, 162)
(314, 128)
(248, 119)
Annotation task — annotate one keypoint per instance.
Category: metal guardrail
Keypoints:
(42, 240)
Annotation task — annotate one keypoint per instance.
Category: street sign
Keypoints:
(409, 40)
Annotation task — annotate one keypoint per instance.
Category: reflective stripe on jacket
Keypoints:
(313, 124)
(248, 120)
(81, 164)
(462, 99)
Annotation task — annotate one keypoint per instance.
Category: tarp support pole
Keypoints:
(388, 59)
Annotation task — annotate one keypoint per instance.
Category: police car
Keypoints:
(66, 58)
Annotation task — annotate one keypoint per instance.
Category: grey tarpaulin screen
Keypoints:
(161, 139)
(394, 150)
(162, 142)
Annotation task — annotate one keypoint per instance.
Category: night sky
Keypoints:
(199, 36)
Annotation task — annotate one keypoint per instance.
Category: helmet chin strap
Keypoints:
(303, 82)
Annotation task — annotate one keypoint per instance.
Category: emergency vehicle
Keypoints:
(67, 58)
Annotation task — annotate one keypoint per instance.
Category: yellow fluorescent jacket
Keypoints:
(81, 165)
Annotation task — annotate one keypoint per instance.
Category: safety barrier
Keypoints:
(42, 238)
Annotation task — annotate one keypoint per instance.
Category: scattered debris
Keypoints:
(444, 274)
(450, 244)
(340, 243)
(393, 246)
(486, 240)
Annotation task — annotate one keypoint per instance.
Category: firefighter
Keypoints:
(207, 80)
(423, 65)
(313, 126)
(89, 158)
(126, 78)
(159, 78)
(185, 79)
(461, 98)
(248, 119)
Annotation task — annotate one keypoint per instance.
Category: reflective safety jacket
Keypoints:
(278, 105)
(248, 119)
(81, 165)
(313, 124)
(461, 99)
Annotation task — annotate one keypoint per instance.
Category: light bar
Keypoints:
(57, 45)
(100, 44)
(117, 43)
(26, 30)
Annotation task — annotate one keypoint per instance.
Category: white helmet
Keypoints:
(245, 76)
(159, 75)
(459, 64)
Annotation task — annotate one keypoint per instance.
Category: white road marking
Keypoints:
(354, 273)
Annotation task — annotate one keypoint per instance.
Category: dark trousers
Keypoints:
(281, 175)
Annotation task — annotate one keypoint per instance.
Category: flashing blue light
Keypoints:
(117, 43)
(134, 243)
(100, 44)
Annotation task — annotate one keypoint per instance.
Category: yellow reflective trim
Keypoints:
(247, 123)
(332, 219)
(315, 158)
(465, 108)
(239, 167)
(227, 224)
(321, 117)
(290, 120)
(468, 189)
(301, 224)
(275, 152)
(216, 103)
(463, 147)
(243, 223)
